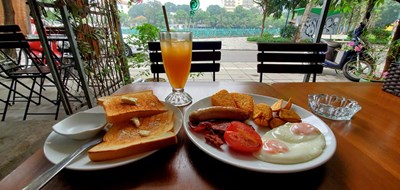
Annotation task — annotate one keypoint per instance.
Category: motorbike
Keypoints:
(354, 62)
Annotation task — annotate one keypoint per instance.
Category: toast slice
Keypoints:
(117, 110)
(125, 139)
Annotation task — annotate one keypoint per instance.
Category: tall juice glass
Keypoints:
(176, 50)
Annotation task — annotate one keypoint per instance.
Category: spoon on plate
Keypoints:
(81, 126)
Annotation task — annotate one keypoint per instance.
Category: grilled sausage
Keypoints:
(218, 112)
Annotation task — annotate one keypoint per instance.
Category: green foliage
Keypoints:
(394, 50)
(377, 36)
(387, 13)
(146, 33)
(288, 31)
(268, 38)
(213, 17)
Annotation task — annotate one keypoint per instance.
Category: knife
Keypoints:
(42, 180)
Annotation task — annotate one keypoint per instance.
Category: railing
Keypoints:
(219, 32)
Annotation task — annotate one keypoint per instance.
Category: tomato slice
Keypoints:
(242, 137)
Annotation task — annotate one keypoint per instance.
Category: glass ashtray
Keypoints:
(332, 106)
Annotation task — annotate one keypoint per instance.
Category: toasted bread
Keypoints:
(222, 98)
(125, 139)
(117, 110)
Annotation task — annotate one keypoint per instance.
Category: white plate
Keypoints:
(249, 162)
(57, 147)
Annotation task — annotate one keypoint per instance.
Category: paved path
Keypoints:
(234, 43)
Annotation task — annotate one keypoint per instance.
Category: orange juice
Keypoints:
(177, 57)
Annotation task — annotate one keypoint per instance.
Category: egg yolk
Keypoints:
(273, 146)
(304, 129)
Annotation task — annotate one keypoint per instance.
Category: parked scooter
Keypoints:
(354, 62)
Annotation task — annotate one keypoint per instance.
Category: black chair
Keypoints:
(12, 69)
(204, 57)
(307, 57)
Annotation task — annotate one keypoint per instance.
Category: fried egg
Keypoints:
(291, 143)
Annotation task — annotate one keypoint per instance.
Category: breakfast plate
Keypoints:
(57, 147)
(250, 162)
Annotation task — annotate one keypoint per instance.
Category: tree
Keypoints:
(387, 14)
(348, 5)
(241, 16)
(181, 17)
(293, 4)
(200, 18)
(9, 13)
(264, 5)
(170, 7)
(217, 15)
(268, 7)
(153, 13)
(303, 20)
(124, 19)
(137, 10)
(215, 10)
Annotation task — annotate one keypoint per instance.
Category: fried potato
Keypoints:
(277, 105)
(288, 105)
(222, 98)
(289, 116)
(276, 122)
(243, 101)
(262, 114)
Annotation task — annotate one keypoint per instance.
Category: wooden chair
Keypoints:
(310, 53)
(204, 57)
(13, 69)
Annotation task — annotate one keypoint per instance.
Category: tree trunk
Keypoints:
(9, 19)
(264, 5)
(8, 12)
(293, 7)
(263, 22)
(370, 6)
(303, 20)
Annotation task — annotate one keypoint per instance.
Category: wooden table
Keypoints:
(367, 154)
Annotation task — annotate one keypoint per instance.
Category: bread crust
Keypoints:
(147, 104)
(125, 138)
(133, 148)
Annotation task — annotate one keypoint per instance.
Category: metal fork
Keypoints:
(42, 180)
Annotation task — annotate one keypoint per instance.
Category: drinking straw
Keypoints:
(165, 18)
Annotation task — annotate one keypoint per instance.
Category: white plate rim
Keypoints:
(250, 162)
(82, 162)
